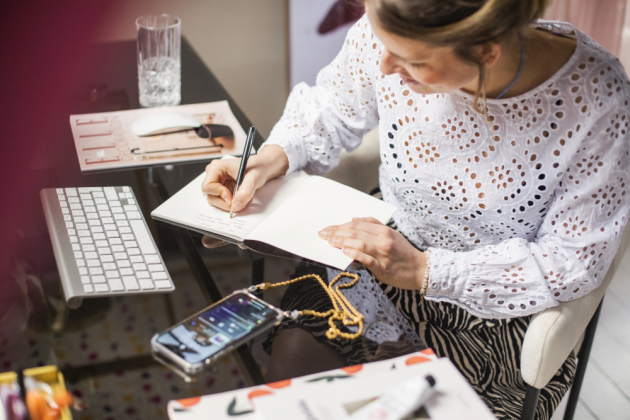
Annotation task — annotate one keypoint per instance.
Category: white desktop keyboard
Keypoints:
(102, 244)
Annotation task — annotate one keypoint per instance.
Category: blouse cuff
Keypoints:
(443, 282)
(292, 149)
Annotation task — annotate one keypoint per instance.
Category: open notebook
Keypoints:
(285, 214)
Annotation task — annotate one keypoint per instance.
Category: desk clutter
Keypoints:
(38, 393)
(338, 394)
(185, 133)
(102, 244)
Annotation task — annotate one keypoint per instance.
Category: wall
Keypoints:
(243, 42)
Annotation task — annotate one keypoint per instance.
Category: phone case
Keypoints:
(172, 360)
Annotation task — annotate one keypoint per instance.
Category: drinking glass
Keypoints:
(159, 60)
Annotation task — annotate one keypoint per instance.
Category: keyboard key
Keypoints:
(133, 215)
(106, 220)
(110, 266)
(92, 215)
(116, 285)
(131, 208)
(118, 248)
(82, 226)
(128, 195)
(146, 284)
(101, 288)
(91, 255)
(152, 259)
(74, 239)
(142, 236)
(130, 283)
(126, 272)
(159, 276)
(115, 241)
(63, 203)
(74, 200)
(76, 206)
(78, 254)
(136, 259)
(93, 222)
(156, 267)
(69, 191)
(122, 195)
(102, 243)
(72, 232)
(93, 263)
(105, 213)
(139, 267)
(128, 237)
(85, 279)
(110, 192)
(88, 203)
(80, 219)
(102, 207)
(88, 247)
(122, 223)
(89, 209)
(98, 279)
(122, 229)
(65, 210)
(126, 189)
(117, 210)
(131, 244)
(107, 258)
(83, 271)
(89, 189)
(104, 250)
(76, 247)
(113, 234)
(163, 284)
(98, 201)
(112, 274)
(98, 194)
(123, 263)
(70, 225)
(142, 274)
(115, 203)
(110, 226)
(87, 240)
(131, 201)
(77, 213)
(99, 236)
(85, 196)
(84, 233)
(67, 217)
(97, 229)
(80, 262)
(88, 288)
(133, 251)
(120, 216)
(120, 256)
(96, 270)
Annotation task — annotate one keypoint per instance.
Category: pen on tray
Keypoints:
(241, 170)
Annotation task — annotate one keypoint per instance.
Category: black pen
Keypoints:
(241, 171)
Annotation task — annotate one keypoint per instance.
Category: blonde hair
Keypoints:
(461, 24)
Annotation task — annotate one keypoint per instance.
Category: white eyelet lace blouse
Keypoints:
(518, 217)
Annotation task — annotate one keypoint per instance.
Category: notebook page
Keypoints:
(188, 207)
(318, 203)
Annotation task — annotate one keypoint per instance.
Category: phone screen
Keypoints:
(200, 337)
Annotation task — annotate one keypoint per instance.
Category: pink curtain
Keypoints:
(602, 20)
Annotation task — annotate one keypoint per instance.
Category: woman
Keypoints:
(504, 146)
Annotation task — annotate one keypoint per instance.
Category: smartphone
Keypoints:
(215, 331)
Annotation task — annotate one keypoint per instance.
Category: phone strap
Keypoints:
(343, 312)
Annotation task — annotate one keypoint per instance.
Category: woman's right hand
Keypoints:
(221, 175)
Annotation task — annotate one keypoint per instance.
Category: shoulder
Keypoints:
(594, 79)
(361, 38)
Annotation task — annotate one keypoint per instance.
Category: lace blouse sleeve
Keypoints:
(574, 246)
(319, 121)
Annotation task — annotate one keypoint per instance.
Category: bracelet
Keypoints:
(425, 279)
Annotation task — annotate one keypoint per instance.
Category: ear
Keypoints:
(489, 53)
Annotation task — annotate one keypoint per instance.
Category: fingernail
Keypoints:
(324, 233)
(237, 205)
(227, 200)
(345, 250)
(333, 241)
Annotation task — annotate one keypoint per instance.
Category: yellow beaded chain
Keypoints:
(342, 310)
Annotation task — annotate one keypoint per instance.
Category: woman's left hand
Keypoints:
(384, 251)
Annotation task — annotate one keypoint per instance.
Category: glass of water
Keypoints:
(159, 60)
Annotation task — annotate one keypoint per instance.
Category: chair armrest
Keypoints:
(553, 333)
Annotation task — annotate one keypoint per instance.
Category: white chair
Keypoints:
(551, 334)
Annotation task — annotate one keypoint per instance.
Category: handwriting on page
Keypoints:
(236, 227)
